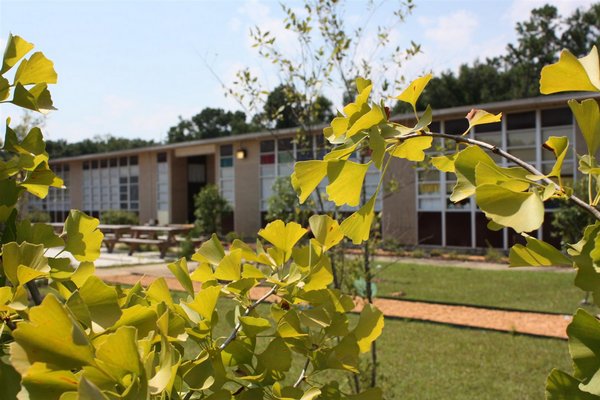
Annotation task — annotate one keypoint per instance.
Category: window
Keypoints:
(162, 182)
(226, 173)
(58, 201)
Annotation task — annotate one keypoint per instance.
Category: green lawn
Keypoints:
(424, 361)
(525, 290)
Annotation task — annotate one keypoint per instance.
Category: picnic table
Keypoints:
(161, 236)
(113, 234)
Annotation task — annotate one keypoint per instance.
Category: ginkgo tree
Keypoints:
(511, 197)
(85, 339)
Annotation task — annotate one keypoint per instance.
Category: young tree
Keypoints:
(210, 207)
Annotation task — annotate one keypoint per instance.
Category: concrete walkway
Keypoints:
(530, 323)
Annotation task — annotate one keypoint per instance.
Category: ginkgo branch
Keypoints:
(496, 150)
(302, 373)
(252, 306)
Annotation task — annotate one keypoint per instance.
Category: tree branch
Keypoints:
(238, 326)
(496, 150)
(36, 296)
(302, 373)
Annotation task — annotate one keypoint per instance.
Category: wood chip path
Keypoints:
(529, 323)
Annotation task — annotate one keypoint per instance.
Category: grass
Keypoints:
(546, 291)
(424, 361)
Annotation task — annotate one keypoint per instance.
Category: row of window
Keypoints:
(226, 173)
(111, 184)
(58, 201)
(277, 158)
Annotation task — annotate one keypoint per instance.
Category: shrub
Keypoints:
(119, 217)
(38, 216)
(209, 209)
(283, 204)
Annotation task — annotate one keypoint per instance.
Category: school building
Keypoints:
(159, 182)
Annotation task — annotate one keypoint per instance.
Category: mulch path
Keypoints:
(529, 323)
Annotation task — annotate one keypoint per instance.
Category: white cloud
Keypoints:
(451, 30)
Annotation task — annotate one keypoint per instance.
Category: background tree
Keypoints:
(210, 123)
(98, 144)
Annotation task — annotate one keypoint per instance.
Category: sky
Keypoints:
(131, 68)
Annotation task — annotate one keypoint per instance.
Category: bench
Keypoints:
(110, 240)
(133, 243)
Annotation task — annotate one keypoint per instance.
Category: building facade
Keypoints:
(159, 182)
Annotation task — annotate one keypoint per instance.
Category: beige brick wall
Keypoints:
(247, 189)
(400, 209)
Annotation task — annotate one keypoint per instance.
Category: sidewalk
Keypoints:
(530, 323)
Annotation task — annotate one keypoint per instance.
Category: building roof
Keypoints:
(505, 106)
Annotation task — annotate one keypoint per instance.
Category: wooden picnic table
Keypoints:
(113, 234)
(150, 235)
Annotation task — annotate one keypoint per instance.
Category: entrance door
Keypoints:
(196, 181)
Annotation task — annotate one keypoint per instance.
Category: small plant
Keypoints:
(435, 252)
(38, 216)
(418, 253)
(493, 255)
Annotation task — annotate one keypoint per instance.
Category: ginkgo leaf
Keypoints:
(306, 177)
(326, 231)
(283, 236)
(23, 263)
(366, 121)
(205, 301)
(377, 146)
(63, 344)
(522, 211)
(16, 48)
(230, 267)
(572, 74)
(558, 146)
(211, 251)
(357, 226)
(412, 93)
(37, 98)
(587, 114)
(36, 69)
(537, 253)
(38, 181)
(83, 238)
(345, 182)
(412, 149)
(465, 163)
(369, 327)
(180, 270)
(481, 117)
(444, 163)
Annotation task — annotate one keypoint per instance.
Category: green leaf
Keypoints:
(326, 230)
(230, 267)
(369, 394)
(465, 163)
(522, 211)
(10, 195)
(372, 118)
(16, 48)
(210, 251)
(24, 263)
(444, 163)
(38, 234)
(320, 275)
(558, 146)
(101, 301)
(358, 225)
(83, 239)
(481, 117)
(38, 181)
(252, 326)
(571, 74)
(584, 346)
(205, 301)
(118, 353)
(88, 391)
(283, 236)
(412, 149)
(63, 344)
(306, 177)
(562, 386)
(180, 270)
(587, 115)
(4, 88)
(9, 380)
(370, 326)
(43, 383)
(346, 179)
(37, 98)
(537, 253)
(377, 145)
(37, 69)
(412, 93)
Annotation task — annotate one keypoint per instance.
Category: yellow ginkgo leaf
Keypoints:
(412, 93)
(481, 117)
(572, 74)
